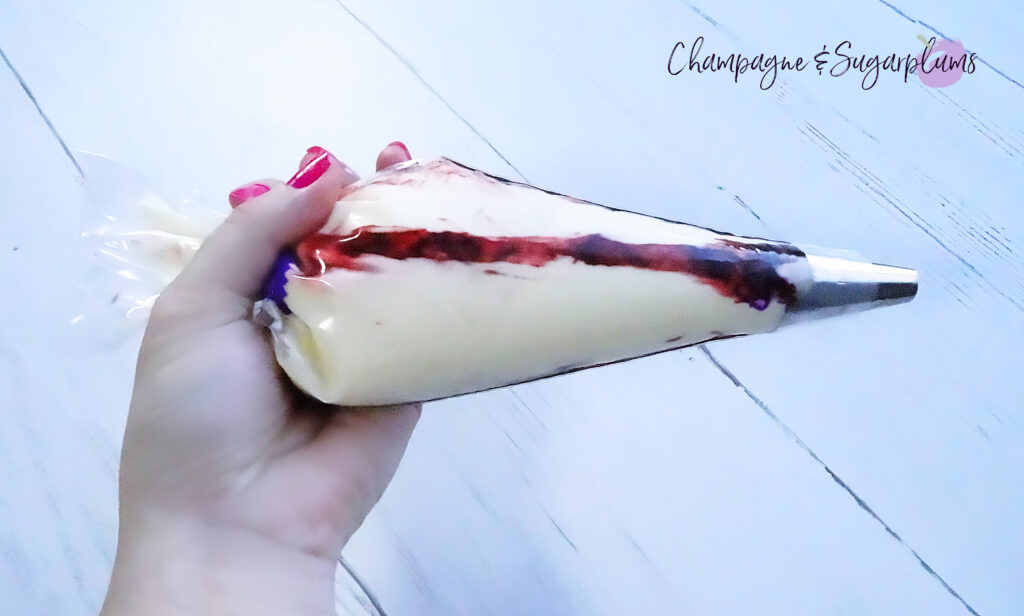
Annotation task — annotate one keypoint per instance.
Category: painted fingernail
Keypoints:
(273, 288)
(242, 194)
(311, 153)
(313, 169)
(401, 145)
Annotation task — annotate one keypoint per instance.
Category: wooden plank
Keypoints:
(241, 92)
(61, 414)
(645, 487)
(924, 425)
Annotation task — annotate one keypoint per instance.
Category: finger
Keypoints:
(394, 153)
(228, 270)
(360, 448)
(252, 190)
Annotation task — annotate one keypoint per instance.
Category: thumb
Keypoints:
(227, 272)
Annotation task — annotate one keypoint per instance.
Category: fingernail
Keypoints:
(311, 153)
(242, 194)
(401, 145)
(313, 169)
(273, 288)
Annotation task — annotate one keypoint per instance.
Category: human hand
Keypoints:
(237, 491)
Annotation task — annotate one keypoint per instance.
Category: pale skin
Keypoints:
(238, 492)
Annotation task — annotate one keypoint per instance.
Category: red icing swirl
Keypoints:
(748, 273)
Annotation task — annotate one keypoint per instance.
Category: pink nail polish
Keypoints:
(313, 169)
(311, 153)
(242, 194)
(401, 145)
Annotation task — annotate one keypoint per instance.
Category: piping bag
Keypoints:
(432, 279)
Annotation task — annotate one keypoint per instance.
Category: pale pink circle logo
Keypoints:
(941, 64)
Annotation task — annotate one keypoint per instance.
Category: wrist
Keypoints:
(171, 564)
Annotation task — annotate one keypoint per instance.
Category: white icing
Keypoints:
(418, 329)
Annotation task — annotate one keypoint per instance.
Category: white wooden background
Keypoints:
(872, 465)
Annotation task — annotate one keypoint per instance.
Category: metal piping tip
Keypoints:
(839, 286)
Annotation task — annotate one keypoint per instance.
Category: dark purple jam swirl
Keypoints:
(748, 273)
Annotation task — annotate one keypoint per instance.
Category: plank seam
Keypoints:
(836, 478)
(379, 611)
(42, 114)
(429, 87)
(936, 31)
(869, 180)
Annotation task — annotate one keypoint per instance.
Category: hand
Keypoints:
(237, 491)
